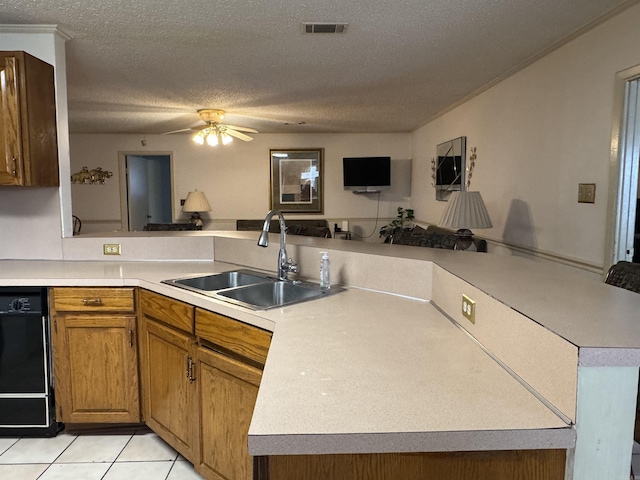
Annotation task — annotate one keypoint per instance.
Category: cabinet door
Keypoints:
(11, 171)
(227, 396)
(29, 146)
(169, 386)
(96, 369)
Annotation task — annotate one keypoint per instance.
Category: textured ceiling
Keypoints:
(146, 66)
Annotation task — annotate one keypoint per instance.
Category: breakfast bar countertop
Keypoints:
(358, 371)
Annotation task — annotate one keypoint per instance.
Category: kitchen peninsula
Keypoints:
(391, 366)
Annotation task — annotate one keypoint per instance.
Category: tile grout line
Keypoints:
(117, 456)
(54, 460)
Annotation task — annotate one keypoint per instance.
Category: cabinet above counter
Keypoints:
(29, 150)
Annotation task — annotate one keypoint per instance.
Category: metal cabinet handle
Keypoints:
(92, 302)
(131, 338)
(190, 368)
(15, 166)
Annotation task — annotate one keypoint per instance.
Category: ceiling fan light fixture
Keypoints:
(216, 133)
(226, 139)
(199, 137)
(212, 139)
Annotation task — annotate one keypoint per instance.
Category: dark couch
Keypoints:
(432, 236)
(309, 228)
(169, 227)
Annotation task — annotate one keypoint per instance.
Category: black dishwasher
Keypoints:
(26, 380)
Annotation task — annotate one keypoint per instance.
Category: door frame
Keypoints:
(124, 200)
(623, 175)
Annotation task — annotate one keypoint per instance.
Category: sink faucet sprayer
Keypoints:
(284, 265)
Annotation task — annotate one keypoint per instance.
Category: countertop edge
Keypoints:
(412, 442)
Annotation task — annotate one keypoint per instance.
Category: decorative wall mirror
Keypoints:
(449, 167)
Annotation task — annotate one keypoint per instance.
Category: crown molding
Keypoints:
(55, 29)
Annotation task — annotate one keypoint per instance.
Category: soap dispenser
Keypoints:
(325, 271)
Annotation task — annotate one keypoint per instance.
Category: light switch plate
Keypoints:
(469, 309)
(586, 193)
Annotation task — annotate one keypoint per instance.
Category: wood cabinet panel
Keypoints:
(237, 337)
(169, 389)
(94, 300)
(13, 173)
(167, 310)
(29, 149)
(502, 465)
(96, 369)
(227, 395)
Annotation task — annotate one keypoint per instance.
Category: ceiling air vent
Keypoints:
(324, 27)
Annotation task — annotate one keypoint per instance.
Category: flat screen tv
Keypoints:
(366, 171)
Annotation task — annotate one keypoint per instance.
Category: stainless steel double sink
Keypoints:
(254, 290)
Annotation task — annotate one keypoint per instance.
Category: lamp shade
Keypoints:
(196, 202)
(466, 210)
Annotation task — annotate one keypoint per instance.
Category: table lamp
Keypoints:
(195, 203)
(465, 211)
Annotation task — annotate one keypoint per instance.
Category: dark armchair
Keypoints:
(432, 236)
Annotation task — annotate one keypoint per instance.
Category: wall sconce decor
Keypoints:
(195, 203)
(97, 176)
(470, 166)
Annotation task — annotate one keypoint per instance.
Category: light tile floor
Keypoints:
(140, 456)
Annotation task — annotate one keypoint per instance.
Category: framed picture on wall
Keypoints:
(296, 180)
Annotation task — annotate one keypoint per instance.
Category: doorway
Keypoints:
(145, 189)
(623, 178)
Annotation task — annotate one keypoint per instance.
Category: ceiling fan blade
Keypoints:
(242, 129)
(239, 135)
(177, 131)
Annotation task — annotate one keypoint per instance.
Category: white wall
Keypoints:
(235, 177)
(538, 134)
(31, 218)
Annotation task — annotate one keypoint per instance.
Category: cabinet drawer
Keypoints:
(93, 300)
(233, 335)
(167, 310)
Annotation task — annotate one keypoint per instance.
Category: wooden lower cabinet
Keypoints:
(167, 364)
(230, 362)
(196, 398)
(169, 386)
(95, 356)
(227, 395)
(495, 465)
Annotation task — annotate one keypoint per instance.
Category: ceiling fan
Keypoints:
(215, 132)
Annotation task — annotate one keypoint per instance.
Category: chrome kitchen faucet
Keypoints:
(285, 265)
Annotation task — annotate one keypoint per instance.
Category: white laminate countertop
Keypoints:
(356, 372)
(366, 372)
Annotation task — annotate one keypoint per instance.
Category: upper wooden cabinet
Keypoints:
(28, 139)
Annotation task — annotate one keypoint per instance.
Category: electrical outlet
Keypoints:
(111, 249)
(469, 309)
